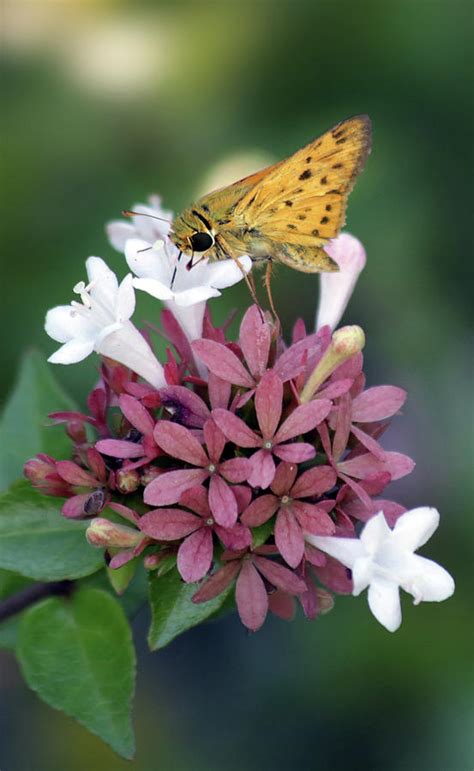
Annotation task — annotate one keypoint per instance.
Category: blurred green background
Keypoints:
(104, 103)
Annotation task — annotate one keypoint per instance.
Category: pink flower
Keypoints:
(196, 550)
(144, 446)
(273, 440)
(42, 473)
(250, 591)
(178, 442)
(294, 515)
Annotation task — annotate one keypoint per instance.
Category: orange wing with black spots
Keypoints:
(300, 203)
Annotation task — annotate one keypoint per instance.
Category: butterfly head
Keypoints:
(192, 233)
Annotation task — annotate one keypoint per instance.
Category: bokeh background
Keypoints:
(106, 102)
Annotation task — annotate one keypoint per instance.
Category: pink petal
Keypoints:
(223, 362)
(75, 475)
(314, 556)
(184, 405)
(120, 448)
(369, 443)
(263, 469)
(241, 399)
(351, 368)
(215, 440)
(243, 496)
(196, 498)
(279, 576)
(378, 403)
(313, 519)
(195, 555)
(289, 538)
(169, 524)
(169, 487)
(73, 508)
(303, 419)
(299, 331)
(268, 399)
(309, 599)
(284, 478)
(260, 510)
(255, 337)
(235, 429)
(217, 583)
(396, 464)
(391, 510)
(234, 538)
(122, 558)
(294, 452)
(314, 482)
(219, 391)
(222, 502)
(136, 414)
(96, 463)
(293, 361)
(235, 469)
(335, 389)
(251, 597)
(179, 442)
(335, 576)
(282, 605)
(129, 514)
(342, 426)
(356, 488)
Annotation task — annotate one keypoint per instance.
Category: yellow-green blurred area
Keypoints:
(104, 103)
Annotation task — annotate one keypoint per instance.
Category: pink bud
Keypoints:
(104, 533)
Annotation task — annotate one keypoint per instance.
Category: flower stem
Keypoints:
(33, 594)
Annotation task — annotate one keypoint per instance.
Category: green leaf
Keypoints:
(261, 534)
(24, 427)
(172, 611)
(10, 583)
(38, 542)
(77, 654)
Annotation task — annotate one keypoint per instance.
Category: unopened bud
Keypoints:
(76, 431)
(102, 532)
(38, 469)
(127, 480)
(149, 474)
(346, 342)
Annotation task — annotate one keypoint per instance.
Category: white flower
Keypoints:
(101, 323)
(384, 560)
(336, 288)
(155, 267)
(146, 227)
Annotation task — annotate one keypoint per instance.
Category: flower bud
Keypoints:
(38, 469)
(76, 431)
(127, 480)
(104, 533)
(346, 342)
(150, 473)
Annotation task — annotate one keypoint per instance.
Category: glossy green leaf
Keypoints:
(38, 542)
(77, 654)
(172, 611)
(261, 534)
(24, 425)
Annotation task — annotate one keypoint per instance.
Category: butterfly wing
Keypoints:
(300, 203)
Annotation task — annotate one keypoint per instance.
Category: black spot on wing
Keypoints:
(306, 174)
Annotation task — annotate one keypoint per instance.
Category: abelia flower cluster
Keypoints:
(250, 462)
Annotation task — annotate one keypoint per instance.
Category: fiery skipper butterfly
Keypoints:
(286, 212)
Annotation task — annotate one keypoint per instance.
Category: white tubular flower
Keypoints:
(336, 288)
(384, 560)
(154, 267)
(100, 322)
(148, 228)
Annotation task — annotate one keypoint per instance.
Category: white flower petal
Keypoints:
(125, 305)
(72, 352)
(375, 532)
(362, 573)
(130, 348)
(336, 288)
(226, 273)
(415, 527)
(103, 281)
(118, 233)
(155, 288)
(346, 550)
(190, 318)
(195, 295)
(428, 581)
(64, 323)
(148, 262)
(384, 602)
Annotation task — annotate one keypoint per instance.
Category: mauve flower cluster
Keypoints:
(224, 473)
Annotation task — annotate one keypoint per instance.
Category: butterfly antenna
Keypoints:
(175, 270)
(130, 213)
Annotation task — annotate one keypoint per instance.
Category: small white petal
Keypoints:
(384, 602)
(415, 527)
(155, 288)
(118, 233)
(146, 262)
(72, 352)
(362, 573)
(227, 272)
(64, 323)
(428, 581)
(195, 295)
(125, 305)
(103, 281)
(346, 550)
(336, 288)
(375, 532)
(130, 348)
(190, 318)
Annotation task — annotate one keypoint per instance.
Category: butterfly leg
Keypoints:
(175, 270)
(268, 287)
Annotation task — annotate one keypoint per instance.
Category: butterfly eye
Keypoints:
(201, 242)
